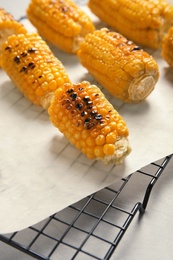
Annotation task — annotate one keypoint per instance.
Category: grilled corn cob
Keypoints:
(8, 26)
(33, 68)
(61, 22)
(125, 70)
(167, 47)
(83, 114)
(144, 22)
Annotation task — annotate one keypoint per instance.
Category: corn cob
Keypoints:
(167, 47)
(144, 22)
(125, 70)
(83, 114)
(8, 26)
(33, 68)
(61, 22)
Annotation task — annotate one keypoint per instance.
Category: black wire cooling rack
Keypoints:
(93, 227)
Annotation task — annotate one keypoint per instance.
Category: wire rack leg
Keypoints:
(144, 204)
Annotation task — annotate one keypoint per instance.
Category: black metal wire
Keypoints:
(152, 183)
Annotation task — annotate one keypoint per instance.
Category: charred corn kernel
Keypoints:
(61, 22)
(144, 22)
(88, 129)
(29, 62)
(125, 70)
(8, 26)
(167, 47)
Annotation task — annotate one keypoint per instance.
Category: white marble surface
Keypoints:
(148, 237)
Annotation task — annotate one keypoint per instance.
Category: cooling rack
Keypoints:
(92, 227)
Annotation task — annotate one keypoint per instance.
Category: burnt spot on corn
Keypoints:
(93, 120)
(79, 106)
(32, 50)
(8, 48)
(89, 103)
(87, 120)
(23, 54)
(136, 48)
(93, 113)
(31, 65)
(23, 69)
(71, 90)
(73, 96)
(84, 113)
(86, 99)
(17, 59)
(89, 123)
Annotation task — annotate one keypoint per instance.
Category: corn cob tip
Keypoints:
(139, 89)
(83, 114)
(122, 150)
(45, 101)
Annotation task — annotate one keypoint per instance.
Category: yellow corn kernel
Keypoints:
(167, 47)
(61, 22)
(100, 140)
(98, 152)
(29, 62)
(109, 149)
(94, 133)
(144, 22)
(126, 71)
(8, 26)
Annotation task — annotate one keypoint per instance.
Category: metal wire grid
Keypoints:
(89, 229)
